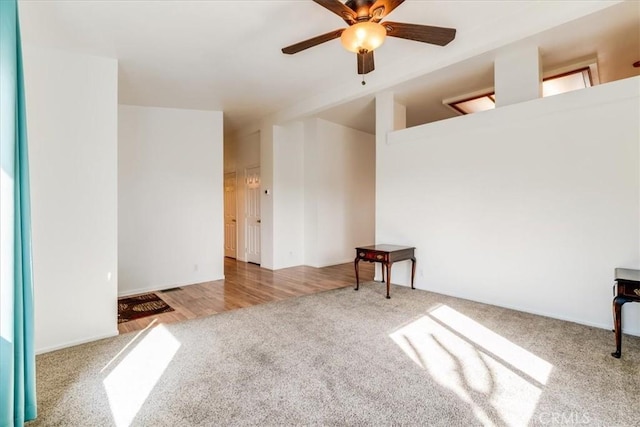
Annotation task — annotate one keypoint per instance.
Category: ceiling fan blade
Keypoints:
(314, 41)
(382, 8)
(420, 33)
(339, 9)
(365, 63)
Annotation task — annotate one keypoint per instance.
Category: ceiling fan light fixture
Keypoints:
(363, 36)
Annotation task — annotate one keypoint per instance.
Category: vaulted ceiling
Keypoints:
(225, 55)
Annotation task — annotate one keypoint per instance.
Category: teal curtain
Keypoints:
(17, 356)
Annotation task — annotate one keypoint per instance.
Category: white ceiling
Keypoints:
(225, 55)
(611, 37)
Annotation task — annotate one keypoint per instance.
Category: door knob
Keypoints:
(233, 220)
(259, 221)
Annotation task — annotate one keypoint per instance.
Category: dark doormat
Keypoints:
(131, 308)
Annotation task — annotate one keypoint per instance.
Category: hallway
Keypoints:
(246, 285)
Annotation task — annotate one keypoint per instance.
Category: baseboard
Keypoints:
(76, 342)
(161, 288)
(332, 263)
(536, 312)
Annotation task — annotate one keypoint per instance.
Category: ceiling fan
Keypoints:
(365, 31)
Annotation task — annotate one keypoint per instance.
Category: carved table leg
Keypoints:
(355, 263)
(388, 265)
(618, 302)
(413, 270)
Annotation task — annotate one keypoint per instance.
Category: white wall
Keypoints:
(170, 211)
(339, 182)
(321, 178)
(529, 206)
(72, 129)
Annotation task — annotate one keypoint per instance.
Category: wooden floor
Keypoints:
(246, 285)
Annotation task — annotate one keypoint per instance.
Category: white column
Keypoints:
(390, 116)
(266, 198)
(288, 195)
(384, 114)
(311, 174)
(399, 116)
(518, 75)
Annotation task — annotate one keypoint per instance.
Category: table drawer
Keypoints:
(372, 256)
(629, 289)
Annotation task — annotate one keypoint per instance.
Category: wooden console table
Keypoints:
(385, 255)
(627, 289)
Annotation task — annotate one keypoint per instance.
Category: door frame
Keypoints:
(235, 209)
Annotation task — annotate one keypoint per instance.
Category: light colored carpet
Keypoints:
(348, 358)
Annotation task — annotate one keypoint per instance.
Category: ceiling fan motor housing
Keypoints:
(362, 8)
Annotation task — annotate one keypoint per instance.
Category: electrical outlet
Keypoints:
(195, 267)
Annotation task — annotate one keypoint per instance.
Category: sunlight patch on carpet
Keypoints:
(499, 380)
(131, 381)
(514, 355)
(141, 333)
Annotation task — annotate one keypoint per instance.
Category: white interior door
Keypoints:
(230, 223)
(252, 214)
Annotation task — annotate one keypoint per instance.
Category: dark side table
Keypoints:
(627, 290)
(385, 255)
